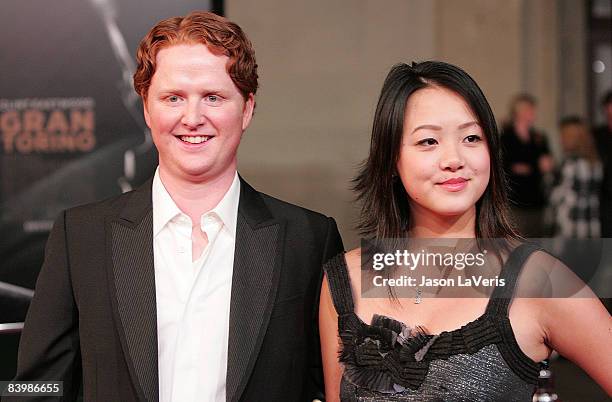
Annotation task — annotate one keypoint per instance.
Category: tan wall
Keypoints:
(541, 64)
(573, 57)
(322, 64)
(483, 37)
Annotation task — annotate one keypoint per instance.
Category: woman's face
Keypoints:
(525, 113)
(444, 158)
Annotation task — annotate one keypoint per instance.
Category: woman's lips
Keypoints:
(454, 185)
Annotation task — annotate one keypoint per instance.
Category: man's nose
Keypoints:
(193, 115)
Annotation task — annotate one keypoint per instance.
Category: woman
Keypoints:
(434, 171)
(528, 165)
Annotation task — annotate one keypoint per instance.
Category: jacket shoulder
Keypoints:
(284, 209)
(99, 209)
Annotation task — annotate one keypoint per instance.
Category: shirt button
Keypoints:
(180, 250)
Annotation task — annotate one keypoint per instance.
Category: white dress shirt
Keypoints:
(193, 298)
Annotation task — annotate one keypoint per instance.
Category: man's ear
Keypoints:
(145, 111)
(247, 113)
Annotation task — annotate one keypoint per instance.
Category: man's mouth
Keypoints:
(194, 139)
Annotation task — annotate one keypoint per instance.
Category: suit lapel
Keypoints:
(257, 261)
(132, 278)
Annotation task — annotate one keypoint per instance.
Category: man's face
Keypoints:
(608, 111)
(196, 113)
(570, 136)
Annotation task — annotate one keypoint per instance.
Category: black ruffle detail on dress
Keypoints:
(381, 356)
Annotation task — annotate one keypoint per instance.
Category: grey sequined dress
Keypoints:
(386, 361)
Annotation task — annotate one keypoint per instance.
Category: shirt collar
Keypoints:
(227, 208)
(165, 209)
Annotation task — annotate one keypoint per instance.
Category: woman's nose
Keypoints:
(451, 158)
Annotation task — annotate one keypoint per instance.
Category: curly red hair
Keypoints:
(218, 33)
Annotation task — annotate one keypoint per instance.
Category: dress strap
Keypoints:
(502, 295)
(339, 284)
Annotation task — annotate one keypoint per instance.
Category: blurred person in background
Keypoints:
(526, 159)
(603, 139)
(574, 199)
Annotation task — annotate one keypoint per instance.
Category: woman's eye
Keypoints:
(473, 138)
(427, 141)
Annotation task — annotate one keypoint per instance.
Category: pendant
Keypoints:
(419, 296)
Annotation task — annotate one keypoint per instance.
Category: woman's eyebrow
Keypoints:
(468, 124)
(438, 128)
(427, 127)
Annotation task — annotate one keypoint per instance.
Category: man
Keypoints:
(194, 287)
(574, 200)
(527, 161)
(603, 138)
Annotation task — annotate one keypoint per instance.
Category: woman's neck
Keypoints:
(428, 224)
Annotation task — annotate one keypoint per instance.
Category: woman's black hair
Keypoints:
(385, 209)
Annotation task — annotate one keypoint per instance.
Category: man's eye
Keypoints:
(173, 99)
(212, 98)
(473, 138)
(427, 141)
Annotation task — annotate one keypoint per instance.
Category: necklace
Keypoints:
(419, 296)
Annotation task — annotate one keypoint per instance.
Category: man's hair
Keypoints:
(572, 120)
(584, 145)
(218, 33)
(607, 98)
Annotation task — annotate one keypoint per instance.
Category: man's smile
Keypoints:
(195, 139)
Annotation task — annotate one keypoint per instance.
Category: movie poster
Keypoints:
(71, 125)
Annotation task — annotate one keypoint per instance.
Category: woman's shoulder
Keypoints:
(353, 257)
(353, 264)
(346, 261)
(544, 275)
(350, 260)
(344, 268)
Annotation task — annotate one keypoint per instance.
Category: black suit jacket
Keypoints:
(93, 316)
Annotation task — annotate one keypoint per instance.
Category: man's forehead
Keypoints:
(190, 59)
(189, 46)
